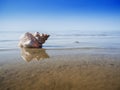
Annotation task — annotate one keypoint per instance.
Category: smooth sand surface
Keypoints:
(73, 69)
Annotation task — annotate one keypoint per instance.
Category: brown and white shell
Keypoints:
(30, 40)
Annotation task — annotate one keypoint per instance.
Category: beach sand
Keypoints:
(65, 69)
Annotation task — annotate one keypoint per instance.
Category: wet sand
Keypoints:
(66, 69)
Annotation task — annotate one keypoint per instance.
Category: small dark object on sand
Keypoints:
(76, 41)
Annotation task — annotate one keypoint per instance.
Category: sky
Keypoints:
(58, 15)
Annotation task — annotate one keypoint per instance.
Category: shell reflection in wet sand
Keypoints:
(29, 54)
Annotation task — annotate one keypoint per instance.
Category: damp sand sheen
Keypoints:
(60, 69)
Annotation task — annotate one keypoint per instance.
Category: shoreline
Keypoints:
(43, 69)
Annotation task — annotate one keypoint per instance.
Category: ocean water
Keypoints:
(68, 61)
(65, 39)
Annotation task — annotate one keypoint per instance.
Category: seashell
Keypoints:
(30, 40)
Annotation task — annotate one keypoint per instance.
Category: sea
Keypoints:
(65, 39)
(70, 59)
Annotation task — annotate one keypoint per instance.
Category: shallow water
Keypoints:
(72, 39)
(70, 69)
(66, 62)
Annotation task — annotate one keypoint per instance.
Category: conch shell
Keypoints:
(29, 40)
